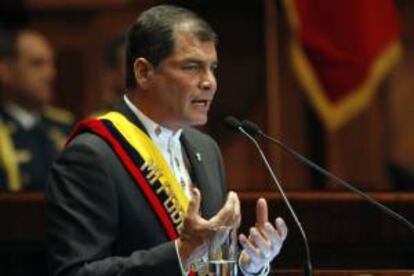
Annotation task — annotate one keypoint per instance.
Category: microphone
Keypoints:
(255, 131)
(235, 125)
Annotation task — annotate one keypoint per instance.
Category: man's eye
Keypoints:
(191, 67)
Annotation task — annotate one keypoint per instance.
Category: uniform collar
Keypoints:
(25, 118)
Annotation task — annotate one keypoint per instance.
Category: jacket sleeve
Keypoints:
(82, 220)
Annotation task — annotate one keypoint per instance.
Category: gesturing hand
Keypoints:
(264, 241)
(196, 231)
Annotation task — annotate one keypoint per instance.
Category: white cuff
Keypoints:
(183, 272)
(263, 272)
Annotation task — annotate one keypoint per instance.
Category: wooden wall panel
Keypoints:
(292, 105)
(357, 151)
(344, 231)
(401, 100)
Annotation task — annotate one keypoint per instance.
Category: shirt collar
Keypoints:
(25, 118)
(155, 130)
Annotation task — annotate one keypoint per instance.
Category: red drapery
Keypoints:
(341, 50)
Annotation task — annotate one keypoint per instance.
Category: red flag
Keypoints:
(341, 50)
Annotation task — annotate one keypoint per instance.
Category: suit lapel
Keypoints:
(199, 174)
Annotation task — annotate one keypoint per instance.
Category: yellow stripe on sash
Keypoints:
(151, 155)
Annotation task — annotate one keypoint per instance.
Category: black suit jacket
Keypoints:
(98, 221)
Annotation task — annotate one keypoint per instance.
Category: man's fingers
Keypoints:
(261, 212)
(250, 249)
(281, 228)
(194, 205)
(274, 237)
(262, 244)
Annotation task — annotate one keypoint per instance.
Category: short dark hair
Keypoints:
(152, 35)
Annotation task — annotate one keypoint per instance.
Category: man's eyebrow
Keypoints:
(198, 61)
(192, 60)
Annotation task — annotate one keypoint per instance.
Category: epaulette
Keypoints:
(58, 114)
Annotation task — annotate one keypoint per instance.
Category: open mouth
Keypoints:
(202, 103)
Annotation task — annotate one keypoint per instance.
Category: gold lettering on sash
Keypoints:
(155, 176)
(171, 206)
(177, 217)
(160, 189)
(144, 166)
(154, 172)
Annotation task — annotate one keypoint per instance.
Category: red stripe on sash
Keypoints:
(97, 127)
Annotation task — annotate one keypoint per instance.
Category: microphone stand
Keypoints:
(308, 264)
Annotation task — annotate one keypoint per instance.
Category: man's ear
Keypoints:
(143, 70)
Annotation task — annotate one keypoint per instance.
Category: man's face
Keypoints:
(33, 71)
(184, 85)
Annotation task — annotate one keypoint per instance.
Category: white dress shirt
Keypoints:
(168, 142)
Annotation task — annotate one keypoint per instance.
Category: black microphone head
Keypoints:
(232, 123)
(251, 128)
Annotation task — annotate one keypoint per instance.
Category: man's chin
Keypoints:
(197, 122)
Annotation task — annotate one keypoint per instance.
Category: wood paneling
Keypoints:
(401, 100)
(357, 151)
(344, 231)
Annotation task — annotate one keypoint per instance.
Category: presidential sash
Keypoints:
(146, 166)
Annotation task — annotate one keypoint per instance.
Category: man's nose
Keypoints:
(206, 85)
(208, 82)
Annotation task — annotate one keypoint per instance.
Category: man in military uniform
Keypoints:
(31, 132)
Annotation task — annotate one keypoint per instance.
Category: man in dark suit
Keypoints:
(113, 207)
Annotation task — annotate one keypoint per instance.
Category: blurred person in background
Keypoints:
(32, 132)
(113, 77)
(114, 70)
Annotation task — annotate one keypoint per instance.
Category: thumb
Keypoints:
(194, 205)
(223, 217)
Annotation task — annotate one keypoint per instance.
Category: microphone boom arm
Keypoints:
(340, 181)
(308, 264)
